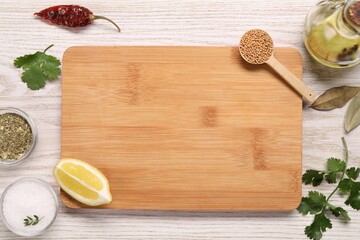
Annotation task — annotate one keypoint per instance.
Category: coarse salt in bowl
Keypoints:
(29, 197)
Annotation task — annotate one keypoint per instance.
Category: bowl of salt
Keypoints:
(28, 207)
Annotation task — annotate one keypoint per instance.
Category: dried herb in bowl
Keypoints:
(15, 136)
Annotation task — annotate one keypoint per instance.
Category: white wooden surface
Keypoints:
(156, 22)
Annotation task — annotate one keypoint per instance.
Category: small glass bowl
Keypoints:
(34, 132)
(43, 184)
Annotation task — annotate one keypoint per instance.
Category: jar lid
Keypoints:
(354, 13)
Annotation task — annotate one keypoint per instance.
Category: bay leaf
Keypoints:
(335, 97)
(352, 116)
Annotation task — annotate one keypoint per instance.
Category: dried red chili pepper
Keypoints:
(70, 16)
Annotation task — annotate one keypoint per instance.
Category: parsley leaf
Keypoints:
(337, 211)
(318, 226)
(34, 78)
(312, 177)
(331, 177)
(354, 198)
(345, 185)
(353, 173)
(312, 204)
(335, 165)
(38, 68)
(349, 186)
(317, 204)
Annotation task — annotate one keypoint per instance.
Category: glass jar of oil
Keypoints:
(332, 33)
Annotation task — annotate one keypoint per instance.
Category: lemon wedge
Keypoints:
(82, 181)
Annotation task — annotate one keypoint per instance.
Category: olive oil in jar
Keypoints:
(332, 33)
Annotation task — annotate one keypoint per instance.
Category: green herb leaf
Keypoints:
(338, 211)
(312, 204)
(312, 177)
(24, 60)
(354, 200)
(352, 116)
(345, 185)
(317, 204)
(26, 222)
(331, 177)
(29, 221)
(335, 165)
(353, 173)
(38, 68)
(34, 78)
(318, 226)
(305, 207)
(335, 97)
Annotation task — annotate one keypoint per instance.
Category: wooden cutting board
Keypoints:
(184, 128)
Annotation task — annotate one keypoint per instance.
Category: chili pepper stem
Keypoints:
(48, 48)
(94, 17)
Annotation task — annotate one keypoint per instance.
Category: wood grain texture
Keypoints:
(184, 128)
(292, 80)
(164, 23)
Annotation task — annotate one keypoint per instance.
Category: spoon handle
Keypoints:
(292, 80)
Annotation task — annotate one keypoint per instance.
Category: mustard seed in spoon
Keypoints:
(256, 47)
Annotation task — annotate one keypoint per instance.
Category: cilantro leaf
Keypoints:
(312, 204)
(354, 197)
(331, 177)
(317, 204)
(353, 173)
(337, 211)
(345, 185)
(335, 165)
(318, 226)
(34, 78)
(305, 206)
(24, 60)
(51, 69)
(312, 177)
(38, 68)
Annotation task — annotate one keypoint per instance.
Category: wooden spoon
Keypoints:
(256, 47)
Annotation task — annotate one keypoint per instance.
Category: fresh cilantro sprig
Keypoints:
(38, 68)
(318, 204)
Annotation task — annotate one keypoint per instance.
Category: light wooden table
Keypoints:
(156, 22)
